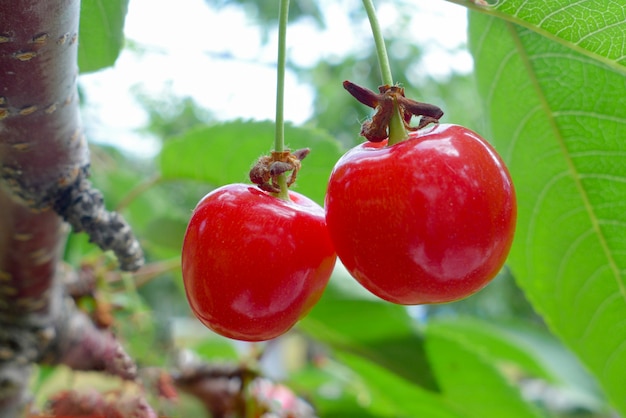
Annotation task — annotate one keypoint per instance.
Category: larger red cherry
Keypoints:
(428, 220)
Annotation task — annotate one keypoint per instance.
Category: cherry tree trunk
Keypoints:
(44, 194)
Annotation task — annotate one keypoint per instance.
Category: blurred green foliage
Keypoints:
(477, 358)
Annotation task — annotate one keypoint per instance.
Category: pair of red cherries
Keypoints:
(430, 219)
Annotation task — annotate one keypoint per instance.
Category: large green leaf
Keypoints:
(224, 153)
(101, 34)
(469, 380)
(559, 119)
(592, 27)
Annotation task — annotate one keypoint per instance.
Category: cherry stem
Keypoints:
(397, 131)
(279, 140)
(379, 40)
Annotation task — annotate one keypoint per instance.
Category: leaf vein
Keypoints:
(518, 131)
(560, 10)
(602, 176)
(497, 75)
(558, 113)
(534, 217)
(612, 358)
(583, 291)
(597, 314)
(560, 274)
(599, 30)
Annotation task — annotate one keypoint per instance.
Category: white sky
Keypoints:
(182, 49)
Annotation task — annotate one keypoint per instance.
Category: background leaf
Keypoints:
(101, 34)
(525, 351)
(468, 380)
(559, 118)
(378, 331)
(224, 153)
(391, 396)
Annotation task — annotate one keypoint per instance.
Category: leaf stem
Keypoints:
(397, 131)
(279, 140)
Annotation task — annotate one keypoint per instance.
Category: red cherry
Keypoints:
(253, 264)
(428, 220)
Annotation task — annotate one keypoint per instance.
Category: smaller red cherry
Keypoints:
(254, 264)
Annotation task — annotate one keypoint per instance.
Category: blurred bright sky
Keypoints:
(216, 57)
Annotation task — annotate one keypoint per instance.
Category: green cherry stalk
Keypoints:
(279, 140)
(270, 172)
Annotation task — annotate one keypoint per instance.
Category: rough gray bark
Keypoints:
(44, 162)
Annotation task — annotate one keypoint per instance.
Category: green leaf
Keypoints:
(525, 350)
(101, 34)
(388, 395)
(381, 332)
(222, 154)
(498, 341)
(332, 388)
(590, 27)
(215, 349)
(469, 380)
(559, 120)
(138, 320)
(166, 231)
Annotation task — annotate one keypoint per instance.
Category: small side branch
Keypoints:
(82, 346)
(68, 336)
(82, 207)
